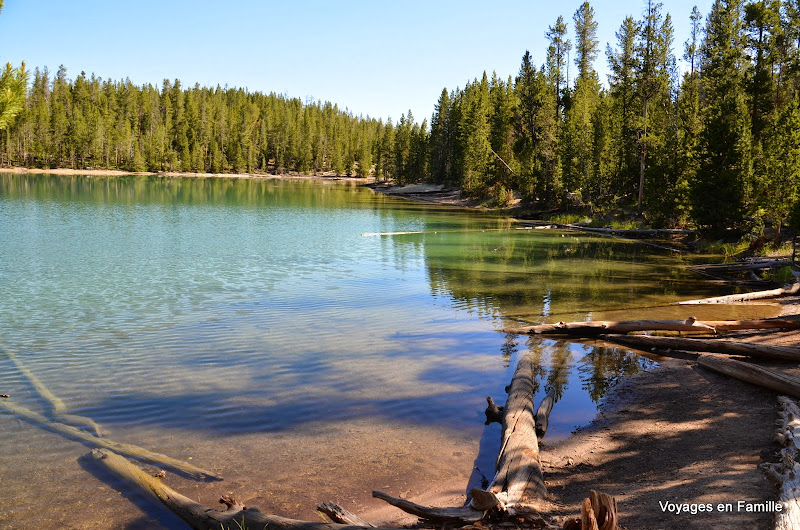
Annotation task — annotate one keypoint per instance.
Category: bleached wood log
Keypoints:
(590, 329)
(459, 515)
(130, 450)
(757, 375)
(745, 297)
(786, 473)
(654, 344)
(519, 473)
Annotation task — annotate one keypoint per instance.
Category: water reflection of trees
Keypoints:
(602, 367)
(596, 369)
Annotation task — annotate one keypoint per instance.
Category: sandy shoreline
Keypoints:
(120, 173)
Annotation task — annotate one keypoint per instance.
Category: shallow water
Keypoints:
(250, 321)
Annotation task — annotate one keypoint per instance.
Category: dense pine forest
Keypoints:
(710, 147)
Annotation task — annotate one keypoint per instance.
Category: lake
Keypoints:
(247, 326)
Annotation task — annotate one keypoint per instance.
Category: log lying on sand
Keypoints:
(746, 297)
(590, 329)
(130, 450)
(777, 381)
(761, 351)
(786, 473)
(542, 417)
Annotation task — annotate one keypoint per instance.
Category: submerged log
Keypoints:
(745, 297)
(590, 329)
(542, 417)
(786, 473)
(761, 351)
(200, 517)
(130, 450)
(57, 407)
(771, 379)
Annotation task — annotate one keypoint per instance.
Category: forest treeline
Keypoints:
(709, 147)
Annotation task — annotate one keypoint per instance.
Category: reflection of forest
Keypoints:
(531, 275)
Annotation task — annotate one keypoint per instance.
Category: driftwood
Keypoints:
(542, 417)
(519, 473)
(761, 351)
(634, 232)
(746, 297)
(590, 329)
(742, 265)
(786, 473)
(130, 450)
(771, 379)
(57, 407)
(599, 512)
(337, 514)
(236, 515)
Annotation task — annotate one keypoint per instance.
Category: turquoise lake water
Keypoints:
(218, 318)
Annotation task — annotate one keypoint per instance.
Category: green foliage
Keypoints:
(95, 123)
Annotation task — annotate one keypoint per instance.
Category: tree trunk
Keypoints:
(647, 343)
(734, 298)
(590, 329)
(779, 382)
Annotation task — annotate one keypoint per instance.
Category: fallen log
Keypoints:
(200, 517)
(542, 417)
(587, 329)
(761, 351)
(777, 381)
(742, 265)
(786, 473)
(57, 407)
(133, 451)
(519, 473)
(590, 329)
(746, 297)
(459, 515)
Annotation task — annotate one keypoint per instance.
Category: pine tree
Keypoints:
(719, 191)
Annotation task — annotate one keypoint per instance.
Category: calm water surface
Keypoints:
(248, 323)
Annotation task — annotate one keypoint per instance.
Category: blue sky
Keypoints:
(376, 58)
